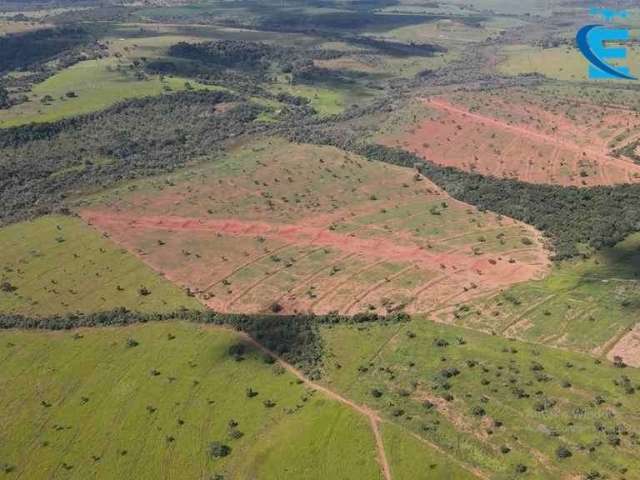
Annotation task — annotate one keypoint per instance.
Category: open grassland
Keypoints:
(412, 458)
(589, 305)
(497, 408)
(167, 400)
(387, 66)
(306, 228)
(325, 101)
(520, 135)
(86, 87)
(56, 264)
(452, 32)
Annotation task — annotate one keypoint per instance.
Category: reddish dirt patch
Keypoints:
(526, 143)
(315, 229)
(628, 348)
(463, 275)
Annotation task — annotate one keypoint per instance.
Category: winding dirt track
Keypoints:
(372, 416)
(374, 419)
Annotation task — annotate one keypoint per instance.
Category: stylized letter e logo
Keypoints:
(591, 42)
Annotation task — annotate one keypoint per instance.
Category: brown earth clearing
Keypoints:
(525, 137)
(302, 228)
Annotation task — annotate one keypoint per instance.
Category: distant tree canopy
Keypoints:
(228, 53)
(22, 50)
(253, 60)
(5, 102)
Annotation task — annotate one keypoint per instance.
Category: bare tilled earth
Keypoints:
(342, 234)
(627, 348)
(575, 144)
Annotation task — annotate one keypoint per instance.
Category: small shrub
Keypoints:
(219, 450)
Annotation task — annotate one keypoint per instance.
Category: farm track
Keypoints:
(331, 293)
(374, 418)
(363, 295)
(511, 326)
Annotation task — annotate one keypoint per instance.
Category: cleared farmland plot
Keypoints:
(167, 400)
(518, 135)
(57, 264)
(306, 228)
(500, 408)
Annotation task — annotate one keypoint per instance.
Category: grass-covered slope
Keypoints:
(57, 264)
(86, 87)
(503, 408)
(166, 400)
(585, 305)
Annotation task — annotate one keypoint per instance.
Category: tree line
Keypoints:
(295, 338)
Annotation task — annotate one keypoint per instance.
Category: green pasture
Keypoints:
(56, 265)
(582, 305)
(151, 401)
(493, 404)
(561, 63)
(86, 87)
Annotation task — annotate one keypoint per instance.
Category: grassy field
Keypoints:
(325, 101)
(57, 264)
(8, 27)
(452, 32)
(583, 305)
(314, 228)
(412, 458)
(497, 406)
(89, 404)
(97, 84)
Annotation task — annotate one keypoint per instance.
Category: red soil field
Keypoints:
(462, 274)
(371, 238)
(527, 142)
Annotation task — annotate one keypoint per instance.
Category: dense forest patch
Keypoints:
(21, 50)
(295, 338)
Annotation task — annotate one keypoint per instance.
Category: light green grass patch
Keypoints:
(412, 459)
(83, 404)
(324, 100)
(56, 264)
(323, 441)
(562, 63)
(97, 84)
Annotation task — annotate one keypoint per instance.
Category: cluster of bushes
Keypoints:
(233, 62)
(295, 338)
(570, 216)
(288, 21)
